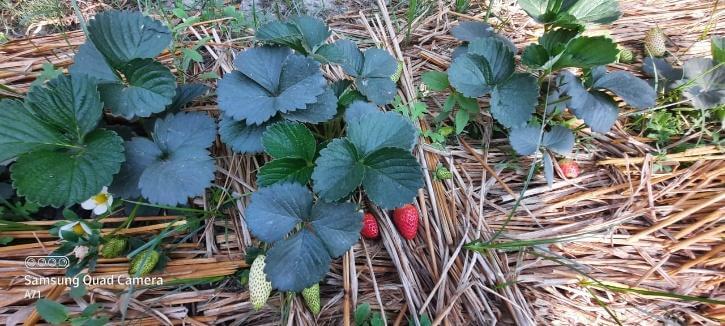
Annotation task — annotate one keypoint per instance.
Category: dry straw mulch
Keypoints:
(624, 223)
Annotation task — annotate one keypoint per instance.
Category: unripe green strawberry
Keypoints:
(655, 42)
(259, 287)
(398, 71)
(143, 263)
(626, 56)
(442, 173)
(312, 298)
(114, 247)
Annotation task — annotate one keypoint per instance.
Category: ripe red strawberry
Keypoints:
(370, 227)
(406, 220)
(569, 168)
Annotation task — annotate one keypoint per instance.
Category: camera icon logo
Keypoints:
(47, 262)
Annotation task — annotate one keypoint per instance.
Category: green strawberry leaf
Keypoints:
(281, 33)
(122, 36)
(708, 78)
(377, 147)
(294, 147)
(151, 87)
(346, 54)
(664, 70)
(79, 114)
(338, 170)
(314, 32)
(572, 12)
(392, 177)
(374, 79)
(242, 138)
(175, 165)
(636, 92)
(89, 61)
(596, 108)
(337, 225)
(595, 11)
(304, 34)
(54, 138)
(286, 169)
(378, 129)
(297, 262)
(498, 58)
(470, 30)
(358, 110)
(556, 40)
(269, 80)
(467, 76)
(525, 140)
(372, 69)
(435, 80)
(322, 110)
(543, 11)
(50, 176)
(587, 52)
(535, 56)
(559, 139)
(289, 140)
(514, 101)
(21, 131)
(184, 95)
(274, 211)
(53, 312)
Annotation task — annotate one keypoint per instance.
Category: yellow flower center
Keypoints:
(78, 229)
(100, 198)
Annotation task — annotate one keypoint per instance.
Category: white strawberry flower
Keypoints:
(80, 252)
(81, 229)
(99, 203)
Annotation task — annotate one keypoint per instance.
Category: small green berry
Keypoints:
(259, 287)
(312, 298)
(442, 173)
(655, 42)
(143, 263)
(114, 247)
(626, 56)
(398, 71)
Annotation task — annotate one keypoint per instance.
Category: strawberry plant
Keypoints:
(285, 83)
(319, 232)
(271, 84)
(53, 136)
(375, 154)
(374, 70)
(119, 54)
(530, 104)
